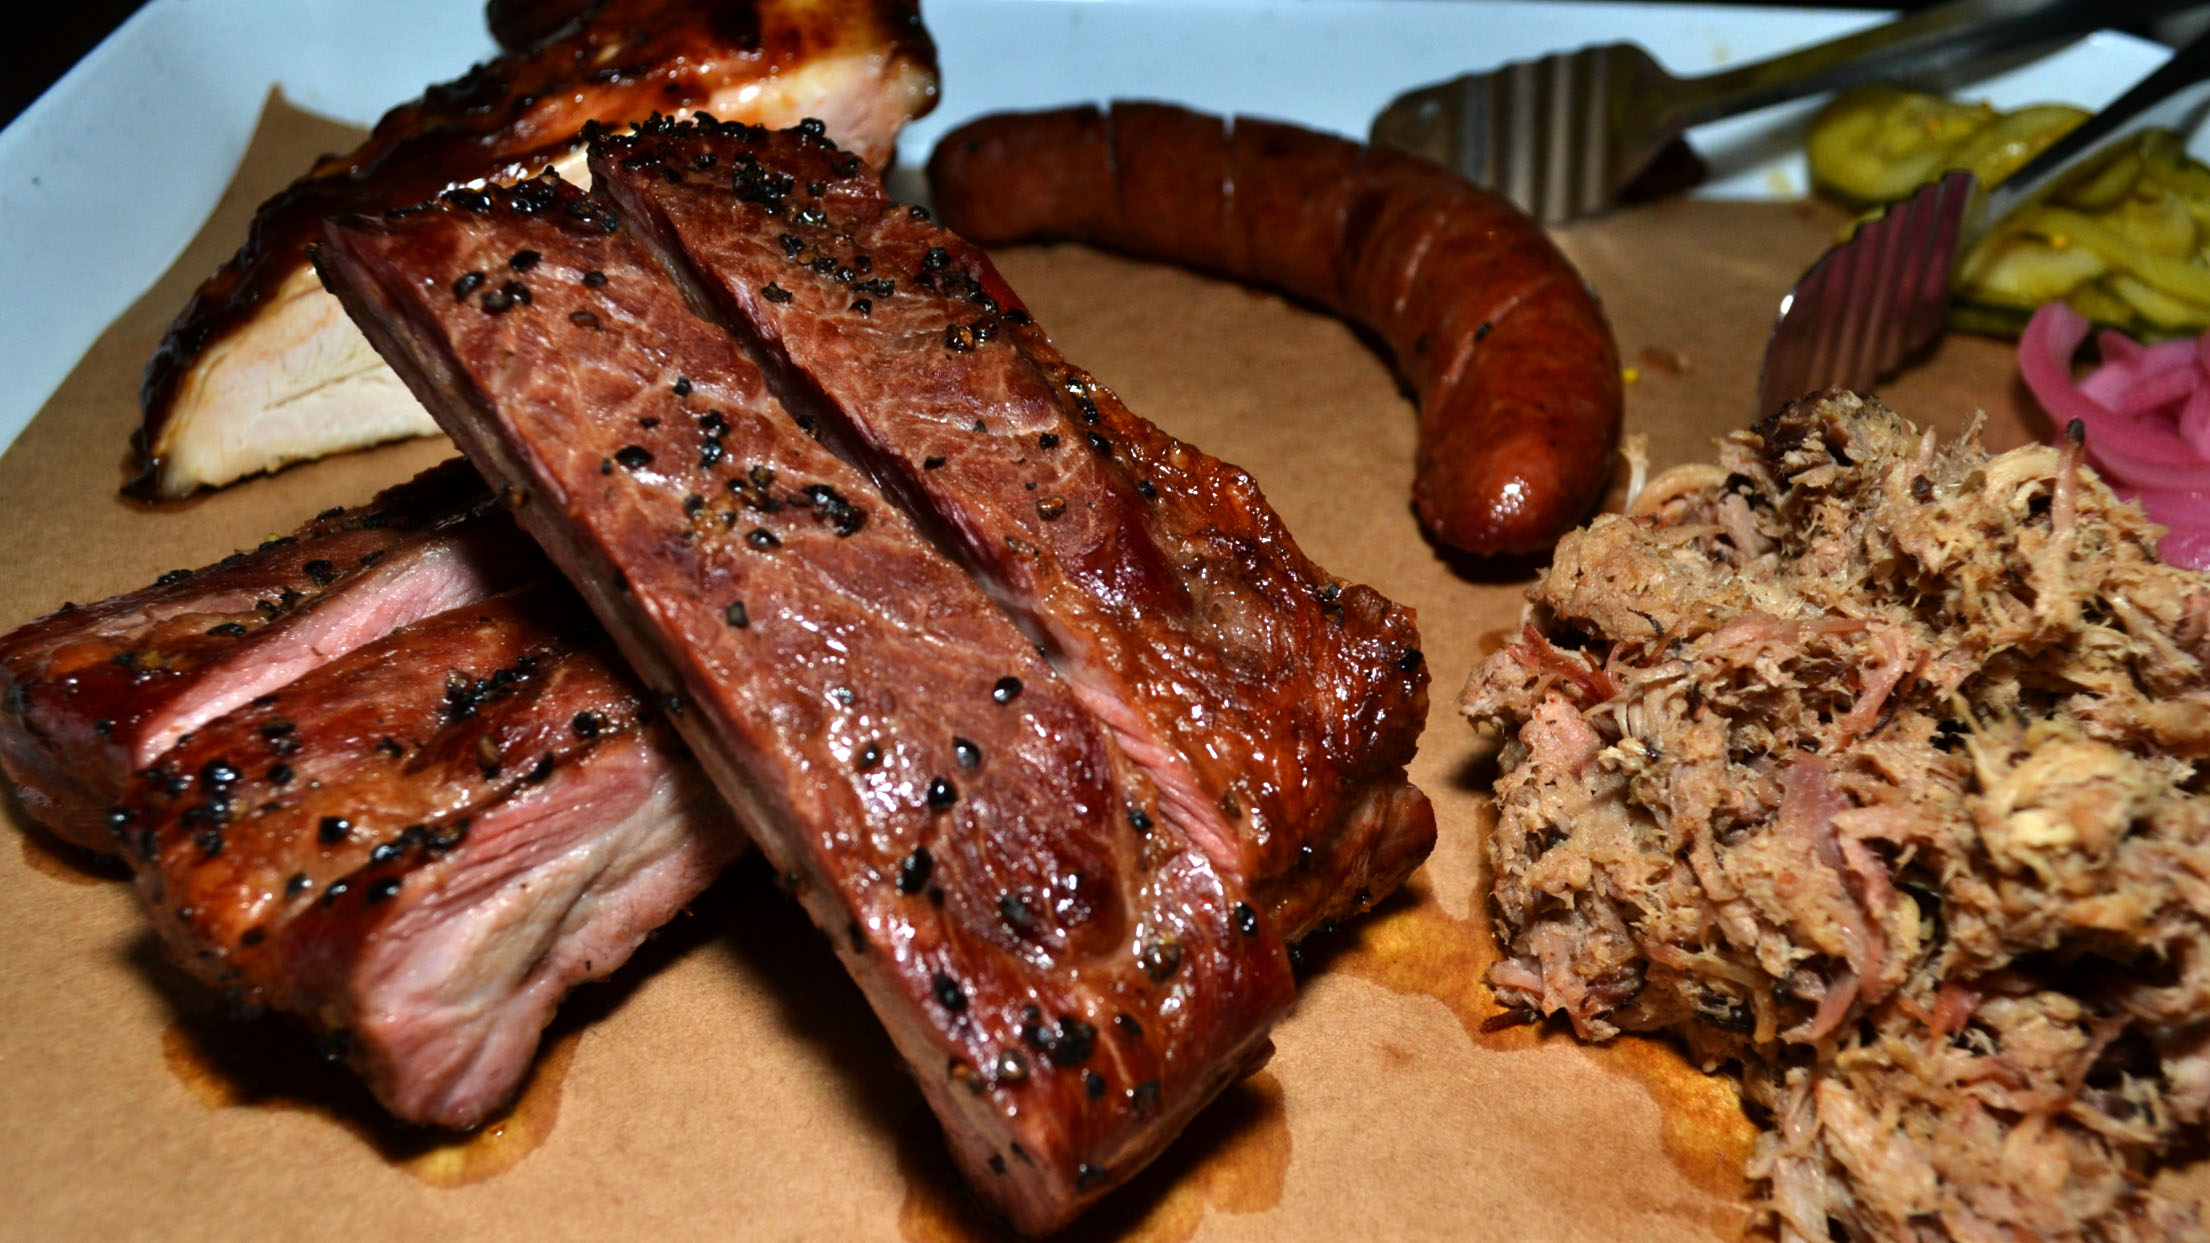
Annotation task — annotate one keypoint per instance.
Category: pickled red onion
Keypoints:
(2146, 412)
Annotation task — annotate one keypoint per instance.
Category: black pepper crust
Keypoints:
(87, 694)
(1156, 572)
(956, 895)
(311, 885)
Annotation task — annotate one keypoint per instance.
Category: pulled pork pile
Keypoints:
(1876, 767)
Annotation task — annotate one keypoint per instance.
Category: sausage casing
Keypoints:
(1515, 366)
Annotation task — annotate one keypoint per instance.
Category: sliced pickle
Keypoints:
(2169, 316)
(2125, 239)
(2020, 269)
(1876, 144)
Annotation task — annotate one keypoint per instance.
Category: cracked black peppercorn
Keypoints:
(941, 794)
(948, 993)
(333, 829)
(1144, 1097)
(968, 754)
(504, 298)
(1160, 960)
(1006, 690)
(914, 869)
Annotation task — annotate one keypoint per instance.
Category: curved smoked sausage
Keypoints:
(1516, 369)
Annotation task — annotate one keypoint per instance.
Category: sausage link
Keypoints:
(1516, 368)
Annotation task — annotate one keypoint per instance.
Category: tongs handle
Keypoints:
(1946, 35)
(2158, 99)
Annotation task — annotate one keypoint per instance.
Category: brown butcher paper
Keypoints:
(730, 1082)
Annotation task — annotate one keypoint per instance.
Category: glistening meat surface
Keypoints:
(420, 847)
(1068, 978)
(93, 692)
(262, 368)
(1273, 705)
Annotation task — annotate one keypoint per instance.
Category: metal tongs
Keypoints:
(1881, 296)
(1563, 136)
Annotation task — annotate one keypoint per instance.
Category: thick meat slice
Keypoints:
(420, 847)
(1068, 979)
(262, 368)
(92, 692)
(1274, 706)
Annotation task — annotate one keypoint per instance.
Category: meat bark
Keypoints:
(419, 848)
(94, 692)
(1273, 705)
(1067, 976)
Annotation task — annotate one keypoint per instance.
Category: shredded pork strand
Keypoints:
(1875, 768)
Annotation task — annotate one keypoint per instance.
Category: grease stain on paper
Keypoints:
(1234, 1158)
(1704, 1130)
(1411, 946)
(265, 1064)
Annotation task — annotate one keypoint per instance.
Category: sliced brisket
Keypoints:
(93, 692)
(1068, 977)
(1273, 705)
(421, 846)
